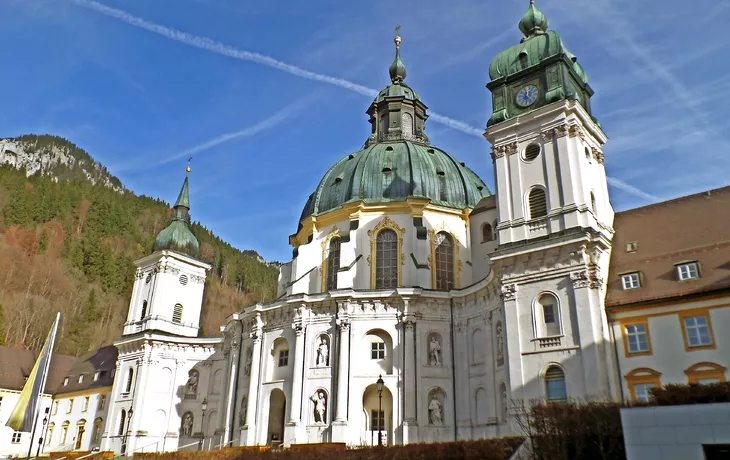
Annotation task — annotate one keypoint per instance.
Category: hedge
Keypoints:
(484, 449)
(675, 395)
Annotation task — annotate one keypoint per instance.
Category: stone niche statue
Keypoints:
(187, 424)
(436, 399)
(249, 360)
(191, 387)
(434, 350)
(319, 398)
(323, 352)
(242, 413)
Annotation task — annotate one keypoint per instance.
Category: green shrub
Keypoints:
(484, 449)
(572, 430)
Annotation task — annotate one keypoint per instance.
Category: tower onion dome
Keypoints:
(533, 22)
(397, 161)
(177, 236)
(539, 45)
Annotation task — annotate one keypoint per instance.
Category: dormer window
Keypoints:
(65, 381)
(630, 281)
(632, 246)
(688, 271)
(81, 378)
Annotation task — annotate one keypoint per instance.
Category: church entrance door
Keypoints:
(277, 411)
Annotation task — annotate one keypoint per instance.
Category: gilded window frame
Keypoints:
(642, 375)
(334, 233)
(432, 233)
(386, 223)
(705, 370)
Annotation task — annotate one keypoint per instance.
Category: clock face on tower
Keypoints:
(526, 96)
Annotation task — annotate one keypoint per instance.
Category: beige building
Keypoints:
(669, 292)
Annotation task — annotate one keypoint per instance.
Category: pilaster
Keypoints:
(295, 408)
(339, 426)
(253, 387)
(410, 421)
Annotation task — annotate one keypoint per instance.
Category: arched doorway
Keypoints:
(377, 415)
(80, 430)
(277, 409)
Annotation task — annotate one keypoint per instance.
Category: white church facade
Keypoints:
(417, 305)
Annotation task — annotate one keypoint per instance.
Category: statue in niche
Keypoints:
(434, 412)
(323, 353)
(191, 386)
(500, 344)
(434, 352)
(187, 424)
(249, 359)
(242, 413)
(320, 406)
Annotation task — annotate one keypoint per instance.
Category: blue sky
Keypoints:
(267, 95)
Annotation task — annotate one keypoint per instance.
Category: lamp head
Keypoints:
(380, 383)
(205, 404)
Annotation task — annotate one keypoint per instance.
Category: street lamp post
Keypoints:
(126, 432)
(381, 419)
(203, 406)
(40, 440)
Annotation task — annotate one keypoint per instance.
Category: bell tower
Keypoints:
(555, 218)
(168, 289)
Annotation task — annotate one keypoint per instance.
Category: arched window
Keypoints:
(555, 388)
(487, 233)
(444, 261)
(49, 433)
(333, 263)
(593, 204)
(548, 316)
(499, 338)
(386, 260)
(96, 434)
(64, 432)
(177, 313)
(538, 203)
(122, 419)
(130, 377)
(144, 310)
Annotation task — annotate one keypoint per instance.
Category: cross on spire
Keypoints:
(187, 170)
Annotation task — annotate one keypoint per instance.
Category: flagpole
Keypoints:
(44, 378)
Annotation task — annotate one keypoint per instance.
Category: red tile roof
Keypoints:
(691, 228)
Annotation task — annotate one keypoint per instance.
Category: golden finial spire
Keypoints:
(397, 35)
(187, 170)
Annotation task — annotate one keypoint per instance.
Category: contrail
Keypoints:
(621, 185)
(217, 47)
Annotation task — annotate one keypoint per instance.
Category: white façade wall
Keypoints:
(8, 400)
(305, 273)
(84, 420)
(674, 432)
(481, 247)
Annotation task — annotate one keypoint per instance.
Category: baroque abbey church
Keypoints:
(418, 303)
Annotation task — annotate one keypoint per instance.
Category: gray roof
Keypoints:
(16, 365)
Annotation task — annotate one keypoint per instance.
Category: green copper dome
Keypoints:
(394, 171)
(397, 161)
(533, 22)
(177, 236)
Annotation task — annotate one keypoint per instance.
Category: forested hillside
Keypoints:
(68, 246)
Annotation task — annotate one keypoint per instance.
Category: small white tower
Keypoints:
(168, 289)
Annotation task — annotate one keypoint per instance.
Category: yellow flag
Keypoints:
(22, 417)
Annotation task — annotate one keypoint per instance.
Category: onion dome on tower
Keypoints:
(177, 236)
(397, 161)
(541, 65)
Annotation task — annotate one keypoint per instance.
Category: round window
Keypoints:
(531, 152)
(183, 280)
(149, 278)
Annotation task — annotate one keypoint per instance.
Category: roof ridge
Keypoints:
(723, 189)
